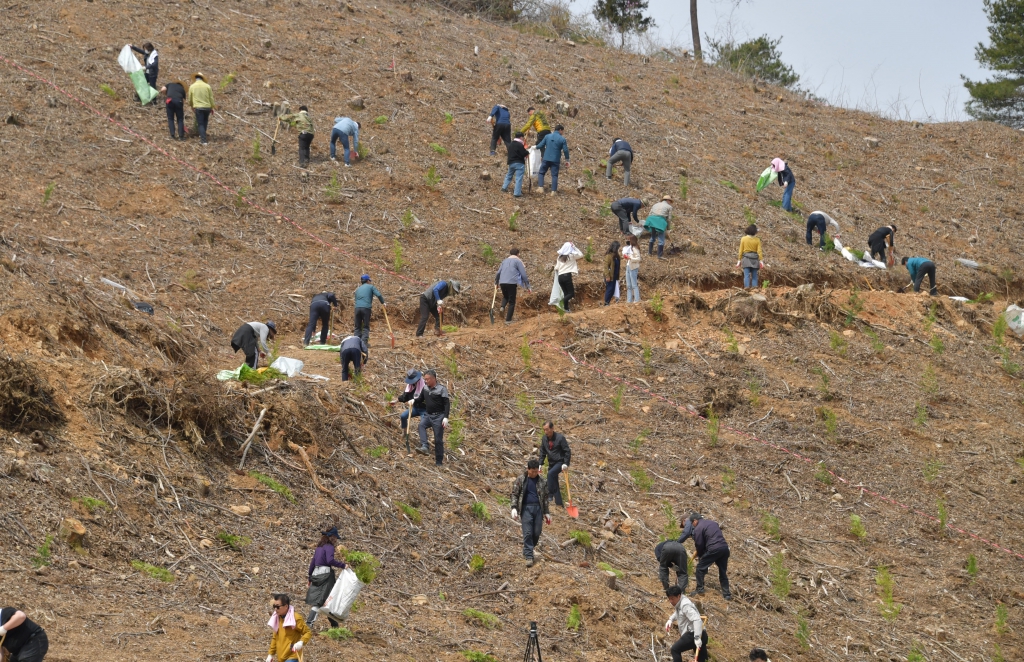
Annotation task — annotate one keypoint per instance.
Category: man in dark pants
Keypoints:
(502, 121)
(253, 339)
(304, 125)
(555, 449)
(511, 274)
(152, 62)
(919, 267)
(672, 554)
(691, 628)
(620, 152)
(623, 208)
(175, 102)
(820, 221)
(759, 655)
(432, 301)
(354, 351)
(23, 639)
(320, 309)
(530, 502)
(364, 306)
(710, 548)
(876, 241)
(436, 406)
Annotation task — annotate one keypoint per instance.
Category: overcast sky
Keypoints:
(898, 57)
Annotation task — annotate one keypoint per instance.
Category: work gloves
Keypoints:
(3, 630)
(444, 423)
(270, 658)
(515, 514)
(668, 625)
(297, 647)
(440, 303)
(547, 519)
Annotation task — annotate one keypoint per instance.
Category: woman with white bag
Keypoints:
(321, 575)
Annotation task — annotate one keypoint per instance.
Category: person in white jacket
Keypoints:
(692, 634)
(565, 267)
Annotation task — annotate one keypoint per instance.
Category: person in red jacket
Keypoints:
(711, 548)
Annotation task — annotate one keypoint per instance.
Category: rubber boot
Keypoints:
(661, 249)
(312, 616)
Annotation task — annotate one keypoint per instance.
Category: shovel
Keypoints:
(273, 145)
(384, 308)
(408, 427)
(570, 510)
(493, 299)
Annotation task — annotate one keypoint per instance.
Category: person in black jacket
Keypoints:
(517, 154)
(432, 303)
(620, 152)
(710, 548)
(555, 448)
(876, 241)
(786, 180)
(672, 554)
(624, 208)
(437, 405)
(23, 639)
(175, 102)
(530, 502)
(353, 351)
(152, 62)
(320, 309)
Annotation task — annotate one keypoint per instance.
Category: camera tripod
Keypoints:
(532, 645)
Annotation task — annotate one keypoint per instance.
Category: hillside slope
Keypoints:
(843, 398)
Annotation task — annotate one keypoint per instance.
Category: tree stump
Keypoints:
(72, 532)
(611, 579)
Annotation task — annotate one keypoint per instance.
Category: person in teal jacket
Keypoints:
(553, 146)
(919, 267)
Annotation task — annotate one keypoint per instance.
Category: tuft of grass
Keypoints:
(657, 305)
(972, 566)
(377, 451)
(772, 525)
(683, 188)
(43, 553)
(526, 352)
(607, 568)
(477, 563)
(237, 543)
(479, 509)
(803, 633)
(412, 513)
(890, 609)
(641, 480)
(575, 619)
(449, 328)
(779, 576)
(822, 474)
(109, 91)
(226, 81)
(487, 253)
(48, 191)
(397, 251)
(635, 445)
(476, 656)
(163, 574)
(273, 484)
(588, 252)
(617, 398)
(838, 343)
(432, 179)
(732, 345)
(582, 538)
(513, 222)
(438, 149)
(91, 504)
(380, 119)
(714, 425)
(489, 621)
(831, 423)
(338, 634)
(1002, 613)
(728, 184)
(364, 564)
(940, 505)
(857, 527)
(449, 118)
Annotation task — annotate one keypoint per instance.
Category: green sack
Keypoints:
(329, 348)
(142, 88)
(767, 177)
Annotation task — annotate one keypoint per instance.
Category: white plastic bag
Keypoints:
(556, 291)
(128, 61)
(1014, 316)
(344, 594)
(290, 367)
(616, 290)
(534, 162)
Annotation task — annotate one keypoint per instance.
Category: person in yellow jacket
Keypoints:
(538, 121)
(750, 258)
(290, 630)
(200, 99)
(304, 125)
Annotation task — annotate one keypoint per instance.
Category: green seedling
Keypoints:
(43, 553)
(803, 633)
(338, 634)
(877, 346)
(607, 568)
(449, 118)
(456, 429)
(487, 253)
(984, 297)
(1002, 614)
(728, 480)
(526, 352)
(732, 345)
(364, 564)
(838, 343)
(582, 538)
(273, 484)
(163, 574)
(779, 576)
(932, 469)
(476, 656)
(728, 184)
(617, 398)
(256, 156)
(412, 513)
(943, 510)
(920, 415)
(648, 353)
(672, 530)
(449, 328)
(438, 149)
(378, 451)
(489, 621)
(641, 480)
(972, 566)
(889, 608)
(588, 252)
(657, 305)
(407, 219)
(857, 529)
(235, 542)
(477, 563)
(90, 504)
(590, 182)
(525, 404)
(380, 119)
(605, 210)
(109, 91)
(713, 427)
(683, 188)
(575, 619)
(930, 381)
(831, 423)
(916, 654)
(931, 317)
(48, 191)
(822, 475)
(772, 526)
(513, 222)
(479, 510)
(452, 363)
(432, 178)
(502, 500)
(825, 380)
(226, 82)
(634, 446)
(333, 188)
(754, 385)
(748, 216)
(397, 251)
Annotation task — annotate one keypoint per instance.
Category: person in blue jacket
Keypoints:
(501, 119)
(620, 151)
(345, 127)
(919, 267)
(553, 146)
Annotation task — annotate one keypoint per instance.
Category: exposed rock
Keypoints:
(872, 142)
(240, 510)
(356, 103)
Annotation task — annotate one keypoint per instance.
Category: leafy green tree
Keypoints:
(757, 57)
(623, 16)
(1001, 99)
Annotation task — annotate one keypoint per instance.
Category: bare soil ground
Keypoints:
(845, 398)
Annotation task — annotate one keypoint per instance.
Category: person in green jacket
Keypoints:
(301, 121)
(537, 121)
(919, 267)
(200, 99)
(364, 295)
